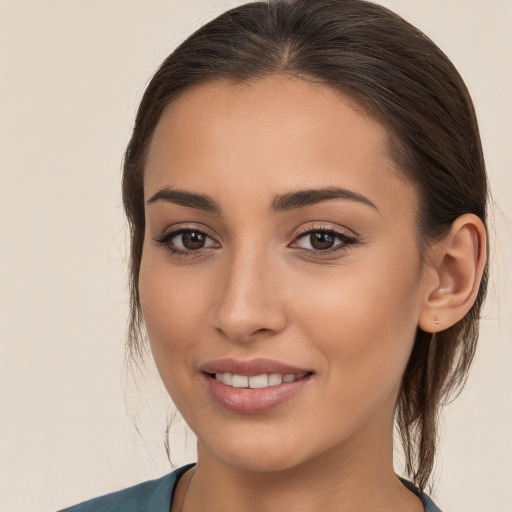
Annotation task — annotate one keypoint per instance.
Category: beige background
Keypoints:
(71, 74)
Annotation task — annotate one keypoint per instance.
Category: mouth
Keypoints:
(254, 386)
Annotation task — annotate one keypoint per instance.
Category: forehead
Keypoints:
(270, 135)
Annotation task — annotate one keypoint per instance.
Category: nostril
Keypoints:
(263, 330)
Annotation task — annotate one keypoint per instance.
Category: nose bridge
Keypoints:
(248, 300)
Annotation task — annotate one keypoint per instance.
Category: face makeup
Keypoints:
(281, 279)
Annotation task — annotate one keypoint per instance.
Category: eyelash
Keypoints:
(164, 240)
(347, 241)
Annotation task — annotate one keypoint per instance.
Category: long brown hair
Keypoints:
(400, 77)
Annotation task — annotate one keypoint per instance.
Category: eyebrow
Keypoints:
(184, 198)
(310, 197)
(280, 203)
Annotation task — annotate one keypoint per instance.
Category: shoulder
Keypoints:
(153, 495)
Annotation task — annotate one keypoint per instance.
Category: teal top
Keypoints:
(156, 496)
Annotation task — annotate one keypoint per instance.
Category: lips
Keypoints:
(253, 386)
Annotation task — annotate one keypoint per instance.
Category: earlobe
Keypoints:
(455, 268)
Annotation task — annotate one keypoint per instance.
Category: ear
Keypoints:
(453, 274)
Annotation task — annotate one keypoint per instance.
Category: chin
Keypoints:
(261, 462)
(256, 453)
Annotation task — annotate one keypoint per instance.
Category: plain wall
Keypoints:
(71, 75)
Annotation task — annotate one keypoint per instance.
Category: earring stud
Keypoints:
(436, 321)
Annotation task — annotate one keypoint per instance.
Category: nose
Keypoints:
(250, 302)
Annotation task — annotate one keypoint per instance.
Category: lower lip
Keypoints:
(252, 401)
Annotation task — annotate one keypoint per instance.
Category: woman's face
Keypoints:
(280, 240)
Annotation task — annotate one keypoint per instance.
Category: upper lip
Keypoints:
(250, 367)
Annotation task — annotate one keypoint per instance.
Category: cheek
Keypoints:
(173, 305)
(364, 321)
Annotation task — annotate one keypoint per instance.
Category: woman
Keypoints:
(306, 193)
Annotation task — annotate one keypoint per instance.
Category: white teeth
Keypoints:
(257, 381)
(227, 378)
(240, 381)
(274, 379)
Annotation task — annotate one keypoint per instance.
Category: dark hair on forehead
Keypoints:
(401, 78)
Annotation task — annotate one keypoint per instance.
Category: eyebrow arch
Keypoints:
(184, 198)
(309, 197)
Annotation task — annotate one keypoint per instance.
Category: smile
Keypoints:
(253, 386)
(257, 381)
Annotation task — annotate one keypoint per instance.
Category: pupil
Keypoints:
(321, 241)
(192, 240)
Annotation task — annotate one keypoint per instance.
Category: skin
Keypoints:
(259, 289)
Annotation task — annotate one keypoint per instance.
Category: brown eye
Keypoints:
(324, 241)
(192, 240)
(186, 241)
(321, 241)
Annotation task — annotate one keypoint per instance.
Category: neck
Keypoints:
(342, 480)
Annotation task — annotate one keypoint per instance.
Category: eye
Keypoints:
(189, 240)
(324, 241)
(186, 241)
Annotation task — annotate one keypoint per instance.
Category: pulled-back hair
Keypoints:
(402, 79)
